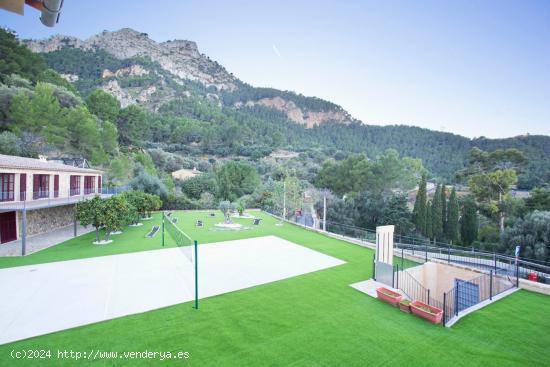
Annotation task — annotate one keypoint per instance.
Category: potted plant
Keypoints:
(430, 313)
(405, 306)
(389, 296)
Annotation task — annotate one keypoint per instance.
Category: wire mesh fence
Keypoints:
(188, 247)
(180, 238)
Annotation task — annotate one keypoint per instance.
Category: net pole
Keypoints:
(162, 229)
(196, 277)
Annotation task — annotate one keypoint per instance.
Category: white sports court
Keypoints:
(56, 296)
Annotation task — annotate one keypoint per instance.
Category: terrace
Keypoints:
(41, 200)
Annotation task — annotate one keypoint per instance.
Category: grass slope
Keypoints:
(312, 320)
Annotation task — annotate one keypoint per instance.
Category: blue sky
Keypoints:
(475, 68)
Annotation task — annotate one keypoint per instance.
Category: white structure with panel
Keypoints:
(384, 254)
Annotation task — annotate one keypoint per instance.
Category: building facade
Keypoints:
(37, 196)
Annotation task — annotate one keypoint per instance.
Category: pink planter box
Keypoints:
(391, 297)
(435, 316)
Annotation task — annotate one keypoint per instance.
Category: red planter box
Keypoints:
(389, 296)
(434, 316)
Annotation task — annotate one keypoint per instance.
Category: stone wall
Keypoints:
(44, 220)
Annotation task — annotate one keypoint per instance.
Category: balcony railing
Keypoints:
(7, 196)
(44, 199)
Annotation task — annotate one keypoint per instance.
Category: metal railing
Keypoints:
(424, 250)
(412, 288)
(43, 199)
(469, 293)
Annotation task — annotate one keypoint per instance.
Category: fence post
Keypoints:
(517, 273)
(428, 302)
(426, 255)
(491, 285)
(393, 278)
(397, 276)
(448, 254)
(401, 258)
(456, 298)
(444, 307)
(495, 257)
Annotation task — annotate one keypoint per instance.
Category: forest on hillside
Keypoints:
(263, 129)
(367, 172)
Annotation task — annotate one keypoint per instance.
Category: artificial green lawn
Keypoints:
(310, 320)
(131, 240)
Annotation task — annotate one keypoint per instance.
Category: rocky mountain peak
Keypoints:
(135, 82)
(179, 57)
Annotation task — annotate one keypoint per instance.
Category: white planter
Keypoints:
(244, 216)
(102, 242)
(229, 225)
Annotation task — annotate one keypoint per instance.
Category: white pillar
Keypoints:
(384, 244)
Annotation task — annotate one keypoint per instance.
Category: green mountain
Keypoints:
(192, 105)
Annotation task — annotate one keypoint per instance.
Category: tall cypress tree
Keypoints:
(468, 223)
(419, 211)
(429, 216)
(444, 209)
(437, 220)
(452, 218)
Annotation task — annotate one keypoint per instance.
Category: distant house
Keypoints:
(184, 174)
(37, 196)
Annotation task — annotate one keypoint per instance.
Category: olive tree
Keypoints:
(226, 208)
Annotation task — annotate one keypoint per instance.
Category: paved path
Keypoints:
(50, 297)
(42, 241)
(369, 287)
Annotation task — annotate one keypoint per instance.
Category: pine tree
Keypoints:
(452, 218)
(468, 223)
(444, 209)
(419, 211)
(437, 220)
(429, 227)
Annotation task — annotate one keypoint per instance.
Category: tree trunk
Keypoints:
(97, 234)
